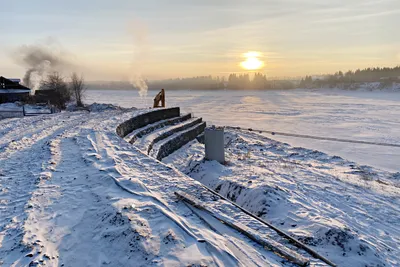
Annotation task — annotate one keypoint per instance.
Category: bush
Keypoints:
(78, 88)
(61, 92)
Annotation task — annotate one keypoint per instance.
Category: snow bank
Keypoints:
(95, 107)
(10, 107)
(345, 210)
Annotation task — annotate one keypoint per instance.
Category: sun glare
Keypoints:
(252, 62)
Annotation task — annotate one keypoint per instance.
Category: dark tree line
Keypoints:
(258, 81)
(382, 75)
(198, 82)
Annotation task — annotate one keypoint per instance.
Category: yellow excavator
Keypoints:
(159, 100)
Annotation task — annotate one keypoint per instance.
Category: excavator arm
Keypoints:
(159, 100)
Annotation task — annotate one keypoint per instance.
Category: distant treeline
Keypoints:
(257, 81)
(385, 76)
(107, 85)
(199, 82)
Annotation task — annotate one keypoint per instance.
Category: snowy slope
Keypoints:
(342, 209)
(73, 193)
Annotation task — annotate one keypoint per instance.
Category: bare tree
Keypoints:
(61, 94)
(78, 88)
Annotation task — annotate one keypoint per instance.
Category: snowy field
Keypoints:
(360, 115)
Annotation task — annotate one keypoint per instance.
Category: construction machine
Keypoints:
(159, 100)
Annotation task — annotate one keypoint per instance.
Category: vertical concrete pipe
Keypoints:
(214, 144)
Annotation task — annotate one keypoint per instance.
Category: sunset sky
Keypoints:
(108, 40)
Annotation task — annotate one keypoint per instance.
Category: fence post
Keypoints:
(23, 110)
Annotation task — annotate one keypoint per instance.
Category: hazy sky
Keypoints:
(169, 38)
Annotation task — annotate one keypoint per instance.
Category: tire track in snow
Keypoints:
(80, 204)
(11, 144)
(18, 182)
(9, 125)
(154, 177)
(106, 158)
(29, 124)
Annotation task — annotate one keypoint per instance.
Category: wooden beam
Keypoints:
(276, 229)
(274, 246)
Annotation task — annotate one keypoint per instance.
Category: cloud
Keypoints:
(358, 17)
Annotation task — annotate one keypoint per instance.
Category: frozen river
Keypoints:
(358, 115)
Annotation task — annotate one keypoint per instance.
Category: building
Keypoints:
(11, 90)
(47, 96)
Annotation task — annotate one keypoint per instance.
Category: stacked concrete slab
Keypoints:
(165, 130)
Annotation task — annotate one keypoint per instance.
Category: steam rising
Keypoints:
(138, 82)
(39, 61)
(139, 33)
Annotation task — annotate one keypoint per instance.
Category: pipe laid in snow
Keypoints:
(276, 229)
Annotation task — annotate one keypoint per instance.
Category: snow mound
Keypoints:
(98, 107)
(10, 107)
(346, 211)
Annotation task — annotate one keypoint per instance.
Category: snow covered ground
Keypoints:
(74, 193)
(350, 114)
(348, 211)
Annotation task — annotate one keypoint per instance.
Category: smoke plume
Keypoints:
(39, 60)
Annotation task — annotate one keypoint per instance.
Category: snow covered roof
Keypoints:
(14, 91)
(15, 80)
(11, 85)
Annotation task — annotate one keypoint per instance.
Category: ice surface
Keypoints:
(357, 114)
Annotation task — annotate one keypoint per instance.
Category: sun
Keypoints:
(252, 62)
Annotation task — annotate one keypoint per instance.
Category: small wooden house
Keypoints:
(11, 91)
